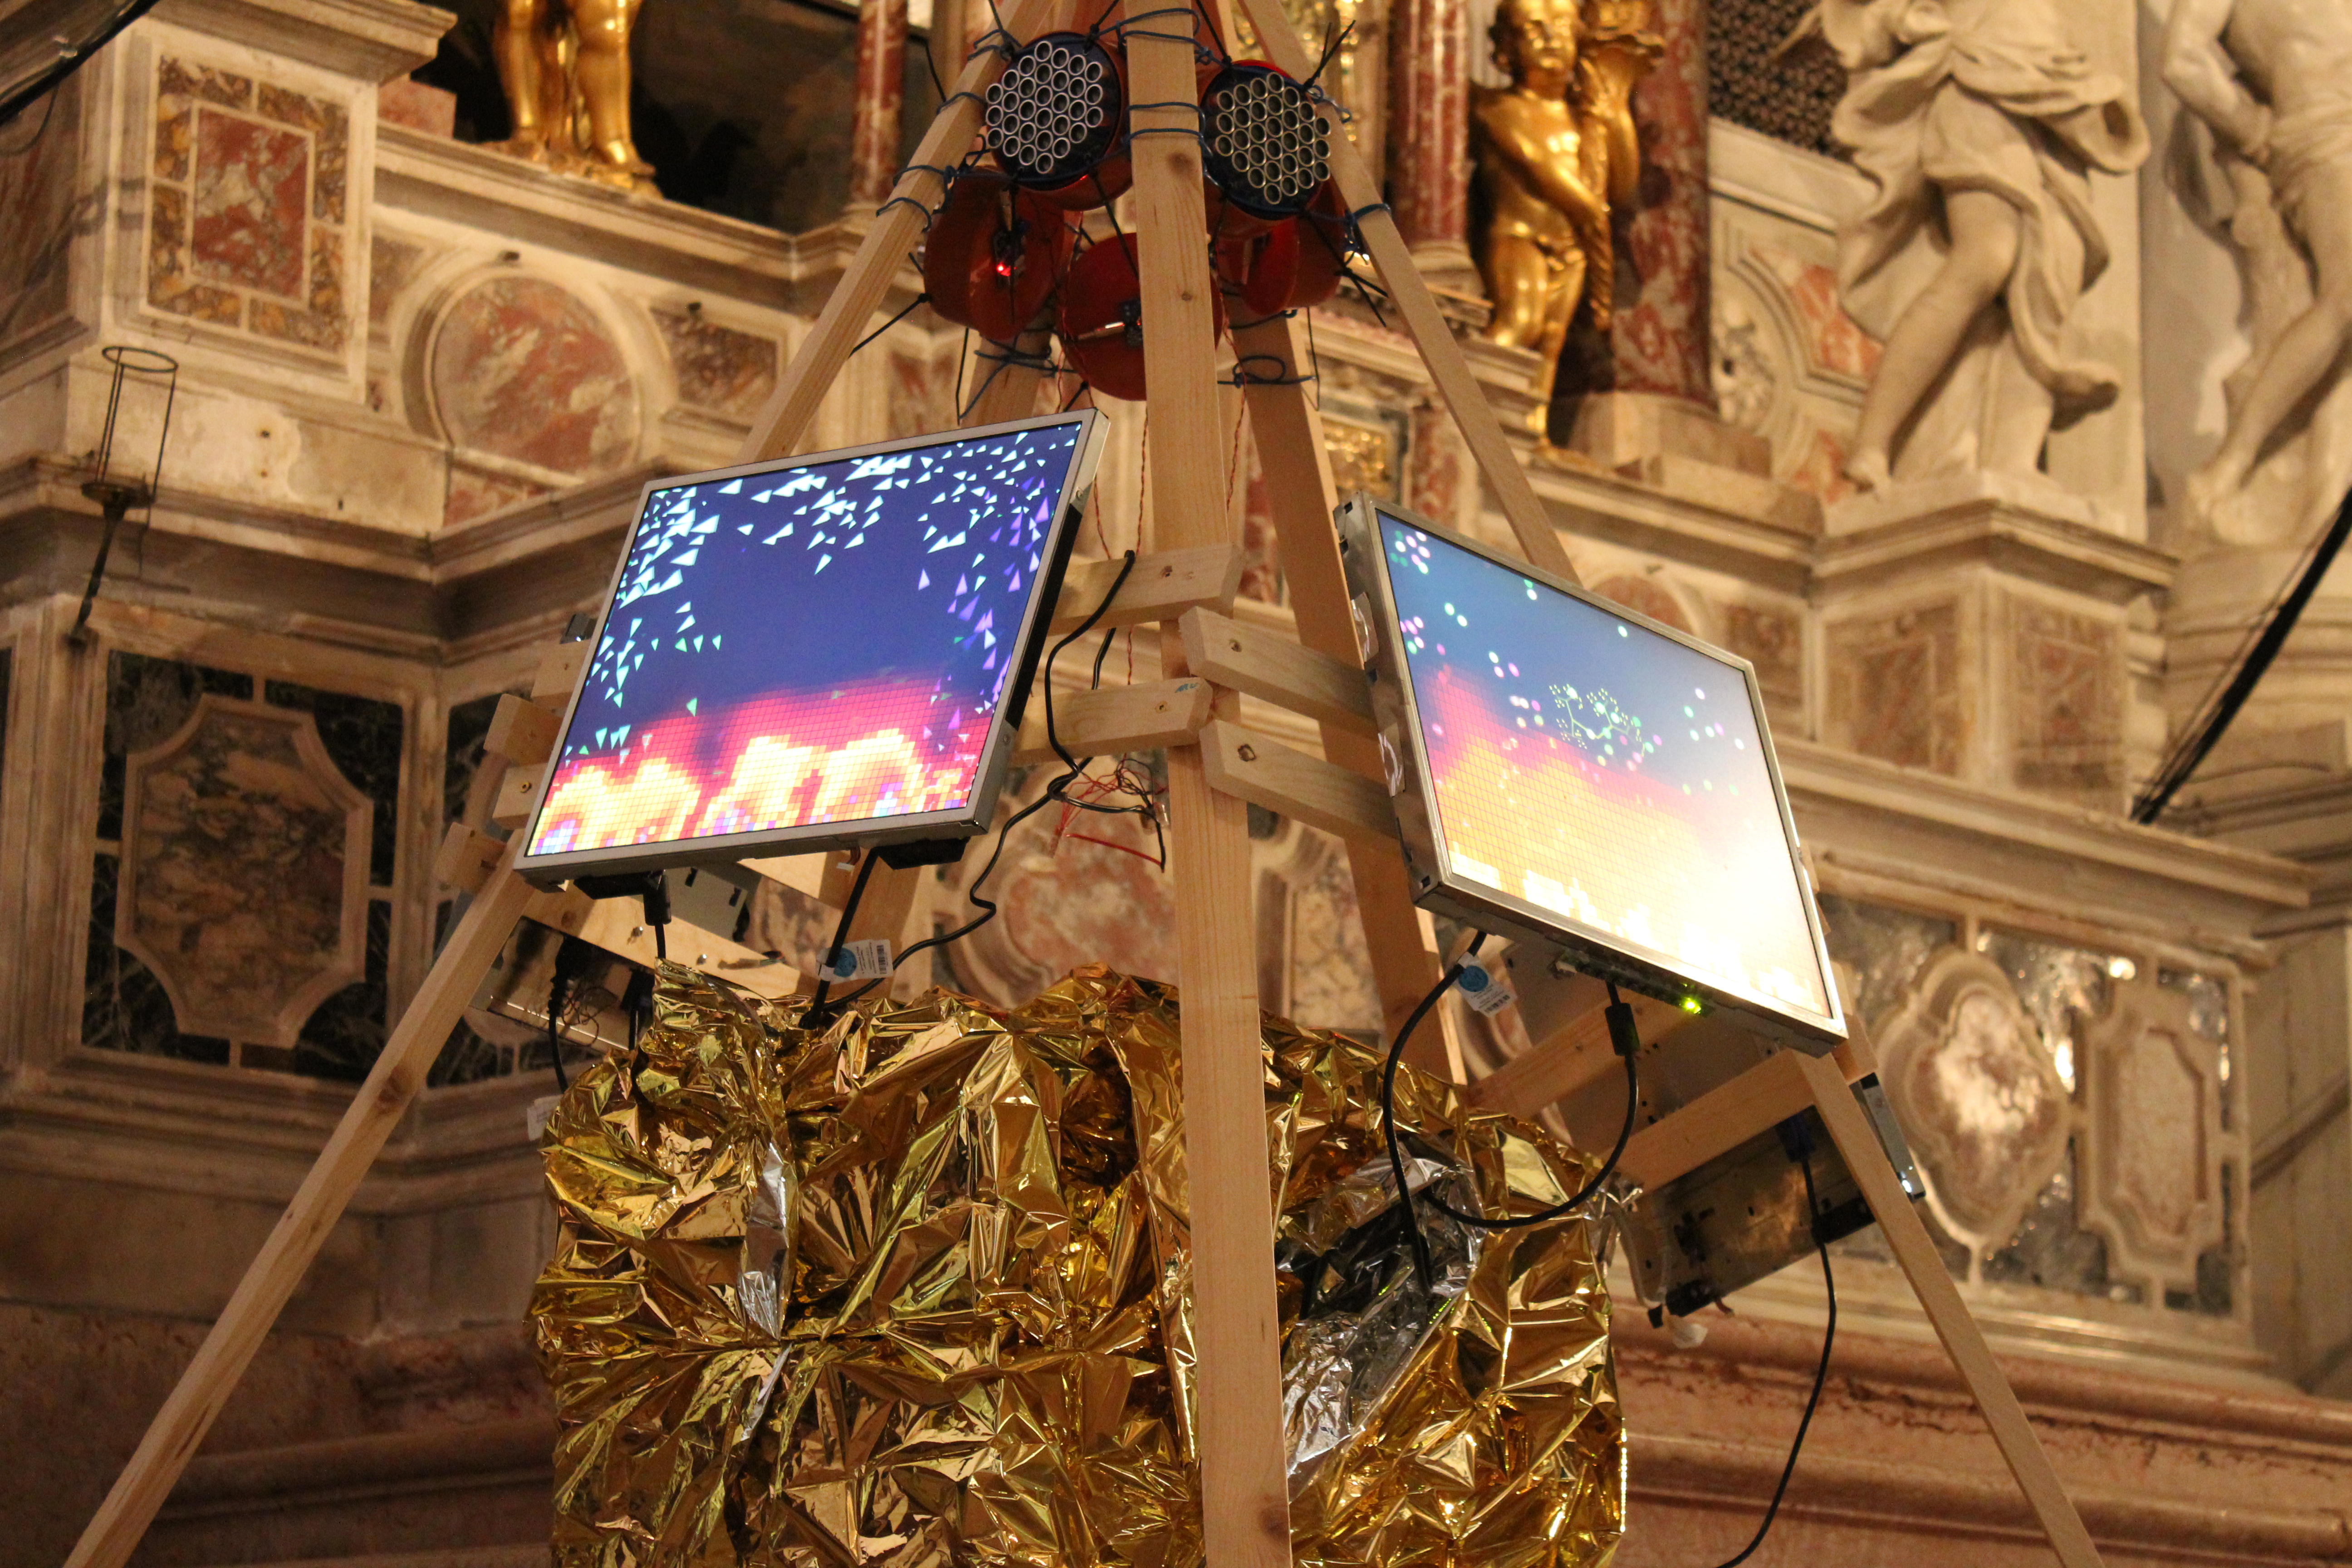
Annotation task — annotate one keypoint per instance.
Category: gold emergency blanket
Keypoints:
(912, 1291)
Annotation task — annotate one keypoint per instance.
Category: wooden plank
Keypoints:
(1243, 762)
(1718, 1121)
(1409, 291)
(1963, 1340)
(521, 730)
(1237, 1374)
(1162, 587)
(376, 1108)
(518, 797)
(1267, 664)
(1117, 719)
(897, 229)
(1570, 1056)
(618, 926)
(465, 858)
(1297, 462)
(559, 673)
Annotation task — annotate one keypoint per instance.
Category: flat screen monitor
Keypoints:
(815, 652)
(1570, 772)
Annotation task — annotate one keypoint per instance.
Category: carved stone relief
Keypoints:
(1984, 1108)
(522, 371)
(244, 872)
(2150, 1162)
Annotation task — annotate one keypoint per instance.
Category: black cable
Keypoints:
(2204, 737)
(1051, 793)
(1388, 1108)
(72, 57)
(1628, 1044)
(815, 1007)
(1821, 1374)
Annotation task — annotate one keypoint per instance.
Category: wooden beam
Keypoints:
(467, 859)
(1249, 767)
(1718, 1121)
(1237, 1374)
(376, 1108)
(897, 229)
(1297, 462)
(1963, 1340)
(521, 730)
(1570, 1056)
(1162, 587)
(1267, 664)
(559, 673)
(1409, 291)
(1117, 719)
(518, 797)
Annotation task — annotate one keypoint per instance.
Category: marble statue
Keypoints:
(566, 67)
(2273, 80)
(1554, 151)
(1978, 122)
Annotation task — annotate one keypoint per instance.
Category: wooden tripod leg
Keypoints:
(785, 418)
(1237, 1376)
(1297, 467)
(1963, 1340)
(1530, 523)
(376, 1109)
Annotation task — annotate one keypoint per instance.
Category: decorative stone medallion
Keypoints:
(2151, 1175)
(1984, 1108)
(523, 371)
(244, 866)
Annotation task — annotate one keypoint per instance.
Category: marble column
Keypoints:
(1661, 338)
(881, 94)
(1429, 137)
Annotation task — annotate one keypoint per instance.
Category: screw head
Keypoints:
(1247, 753)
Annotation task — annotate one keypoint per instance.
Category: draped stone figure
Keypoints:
(564, 65)
(1978, 122)
(2272, 79)
(1554, 150)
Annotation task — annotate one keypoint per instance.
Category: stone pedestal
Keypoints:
(1987, 627)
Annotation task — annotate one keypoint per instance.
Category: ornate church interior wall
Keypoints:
(421, 381)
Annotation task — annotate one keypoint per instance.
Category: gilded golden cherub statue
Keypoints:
(1554, 150)
(566, 67)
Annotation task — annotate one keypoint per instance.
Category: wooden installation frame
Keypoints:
(1216, 768)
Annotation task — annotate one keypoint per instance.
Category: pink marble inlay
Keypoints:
(1833, 341)
(522, 370)
(252, 193)
(1661, 340)
(1429, 123)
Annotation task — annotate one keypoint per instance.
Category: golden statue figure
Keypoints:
(566, 67)
(1554, 150)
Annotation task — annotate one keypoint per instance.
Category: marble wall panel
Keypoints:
(38, 191)
(242, 871)
(1440, 479)
(729, 373)
(249, 208)
(1647, 595)
(1833, 344)
(1771, 638)
(522, 370)
(474, 492)
(391, 265)
(2151, 1173)
(2066, 685)
(1894, 688)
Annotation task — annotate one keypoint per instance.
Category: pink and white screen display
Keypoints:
(1606, 774)
(822, 643)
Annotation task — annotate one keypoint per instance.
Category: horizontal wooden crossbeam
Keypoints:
(1114, 719)
(1160, 587)
(1267, 664)
(1241, 761)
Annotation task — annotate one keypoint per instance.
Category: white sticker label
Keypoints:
(1483, 992)
(867, 959)
(534, 1118)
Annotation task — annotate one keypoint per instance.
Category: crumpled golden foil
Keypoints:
(912, 1291)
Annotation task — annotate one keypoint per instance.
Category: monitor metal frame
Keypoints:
(969, 820)
(1441, 890)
